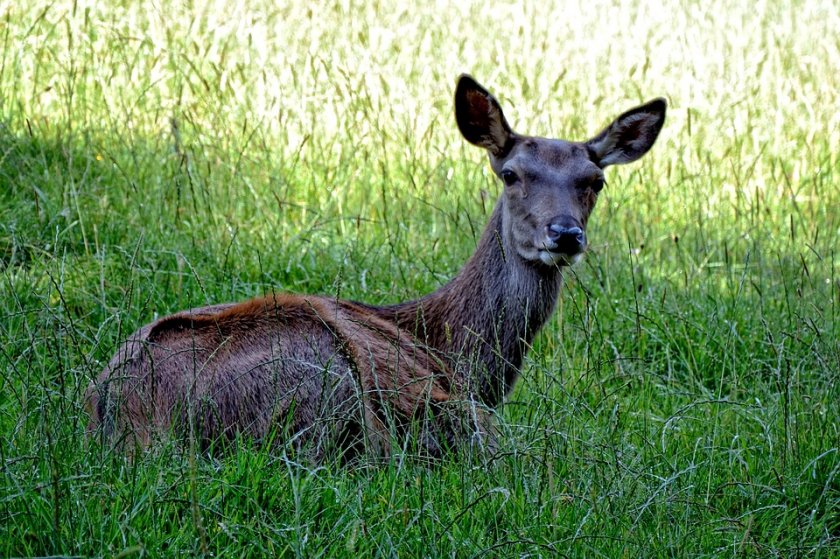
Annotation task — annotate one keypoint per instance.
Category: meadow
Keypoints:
(684, 401)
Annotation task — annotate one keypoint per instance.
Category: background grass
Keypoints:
(683, 402)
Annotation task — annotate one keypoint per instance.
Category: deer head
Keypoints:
(551, 185)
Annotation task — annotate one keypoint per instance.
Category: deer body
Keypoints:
(331, 375)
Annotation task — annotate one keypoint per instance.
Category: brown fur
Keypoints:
(329, 375)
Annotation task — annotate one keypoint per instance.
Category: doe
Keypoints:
(326, 375)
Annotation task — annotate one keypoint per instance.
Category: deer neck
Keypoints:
(483, 321)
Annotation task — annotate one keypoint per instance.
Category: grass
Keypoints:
(684, 400)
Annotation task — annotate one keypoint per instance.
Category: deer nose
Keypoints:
(568, 240)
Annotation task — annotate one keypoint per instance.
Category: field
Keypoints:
(684, 401)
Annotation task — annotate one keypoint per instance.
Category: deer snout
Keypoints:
(562, 244)
(566, 240)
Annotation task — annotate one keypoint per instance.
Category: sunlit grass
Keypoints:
(683, 401)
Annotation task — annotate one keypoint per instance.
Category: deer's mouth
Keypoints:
(558, 258)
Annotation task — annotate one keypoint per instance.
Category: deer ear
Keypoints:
(480, 118)
(630, 136)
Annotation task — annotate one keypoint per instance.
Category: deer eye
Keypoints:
(509, 177)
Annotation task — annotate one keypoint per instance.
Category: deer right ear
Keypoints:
(480, 118)
(630, 136)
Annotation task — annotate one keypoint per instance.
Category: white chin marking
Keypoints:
(559, 259)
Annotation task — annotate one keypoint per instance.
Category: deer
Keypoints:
(330, 377)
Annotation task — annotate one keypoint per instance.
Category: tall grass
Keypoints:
(683, 402)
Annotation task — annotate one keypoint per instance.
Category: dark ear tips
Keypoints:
(658, 105)
(466, 80)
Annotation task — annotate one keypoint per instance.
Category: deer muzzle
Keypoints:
(562, 245)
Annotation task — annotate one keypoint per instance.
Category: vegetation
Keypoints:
(685, 400)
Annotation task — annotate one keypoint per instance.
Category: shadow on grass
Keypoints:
(663, 399)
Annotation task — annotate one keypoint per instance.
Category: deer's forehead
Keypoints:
(543, 153)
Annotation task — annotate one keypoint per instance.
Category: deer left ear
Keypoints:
(630, 136)
(480, 118)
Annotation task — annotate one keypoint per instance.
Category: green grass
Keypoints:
(684, 400)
